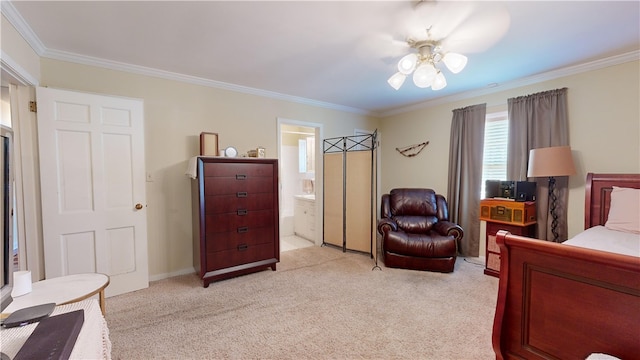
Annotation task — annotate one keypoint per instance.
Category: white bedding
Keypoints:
(601, 238)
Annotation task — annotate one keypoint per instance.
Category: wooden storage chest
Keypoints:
(521, 213)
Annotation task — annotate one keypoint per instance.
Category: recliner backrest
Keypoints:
(414, 210)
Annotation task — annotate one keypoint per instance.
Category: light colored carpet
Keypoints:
(321, 303)
(293, 242)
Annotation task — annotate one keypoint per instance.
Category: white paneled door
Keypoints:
(93, 187)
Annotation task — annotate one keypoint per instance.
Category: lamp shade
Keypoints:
(424, 75)
(455, 62)
(396, 80)
(439, 82)
(551, 161)
(408, 63)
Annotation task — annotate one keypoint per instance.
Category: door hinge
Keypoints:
(33, 106)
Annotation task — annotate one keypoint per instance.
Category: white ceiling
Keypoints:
(333, 53)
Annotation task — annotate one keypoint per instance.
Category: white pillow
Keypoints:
(624, 212)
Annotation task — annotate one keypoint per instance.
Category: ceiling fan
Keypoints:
(423, 64)
(451, 28)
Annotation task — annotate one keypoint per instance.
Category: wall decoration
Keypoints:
(412, 150)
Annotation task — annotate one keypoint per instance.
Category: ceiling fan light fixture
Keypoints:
(424, 75)
(439, 82)
(396, 80)
(455, 62)
(424, 64)
(408, 63)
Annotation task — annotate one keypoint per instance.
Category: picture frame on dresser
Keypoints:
(209, 144)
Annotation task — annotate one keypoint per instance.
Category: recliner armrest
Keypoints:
(449, 228)
(386, 225)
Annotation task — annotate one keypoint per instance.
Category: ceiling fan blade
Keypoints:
(479, 32)
(460, 26)
(383, 46)
(463, 27)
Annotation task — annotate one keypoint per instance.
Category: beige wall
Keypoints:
(19, 52)
(175, 114)
(604, 116)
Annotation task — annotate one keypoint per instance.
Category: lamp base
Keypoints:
(552, 208)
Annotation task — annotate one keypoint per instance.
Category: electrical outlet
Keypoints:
(149, 177)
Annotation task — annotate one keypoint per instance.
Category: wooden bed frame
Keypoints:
(563, 302)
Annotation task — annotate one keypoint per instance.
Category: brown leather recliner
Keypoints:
(416, 231)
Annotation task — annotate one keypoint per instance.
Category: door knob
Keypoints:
(138, 206)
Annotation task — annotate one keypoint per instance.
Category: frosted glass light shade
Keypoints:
(439, 82)
(455, 62)
(408, 63)
(424, 75)
(396, 80)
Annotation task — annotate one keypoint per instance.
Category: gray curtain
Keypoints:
(537, 121)
(465, 174)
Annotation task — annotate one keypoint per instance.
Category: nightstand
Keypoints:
(518, 218)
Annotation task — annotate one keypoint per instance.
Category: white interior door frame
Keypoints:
(319, 135)
(26, 174)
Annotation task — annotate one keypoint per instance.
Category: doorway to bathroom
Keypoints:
(300, 167)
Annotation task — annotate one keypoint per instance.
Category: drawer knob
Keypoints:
(242, 212)
(243, 247)
(241, 177)
(243, 229)
(241, 194)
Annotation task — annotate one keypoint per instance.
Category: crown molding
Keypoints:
(9, 11)
(23, 28)
(142, 70)
(13, 69)
(18, 22)
(550, 75)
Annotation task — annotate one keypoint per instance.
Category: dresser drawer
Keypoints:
(232, 186)
(241, 170)
(227, 222)
(215, 204)
(232, 239)
(239, 256)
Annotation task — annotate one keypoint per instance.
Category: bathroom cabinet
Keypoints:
(304, 212)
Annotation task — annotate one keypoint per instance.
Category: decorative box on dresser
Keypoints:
(518, 218)
(235, 217)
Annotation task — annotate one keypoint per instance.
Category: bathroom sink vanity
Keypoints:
(304, 212)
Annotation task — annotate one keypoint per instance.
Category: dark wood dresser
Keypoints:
(235, 217)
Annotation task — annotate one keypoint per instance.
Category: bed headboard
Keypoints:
(598, 195)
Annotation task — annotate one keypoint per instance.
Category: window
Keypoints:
(494, 160)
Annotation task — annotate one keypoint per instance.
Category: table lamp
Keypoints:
(551, 162)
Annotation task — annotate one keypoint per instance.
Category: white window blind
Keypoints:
(494, 160)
